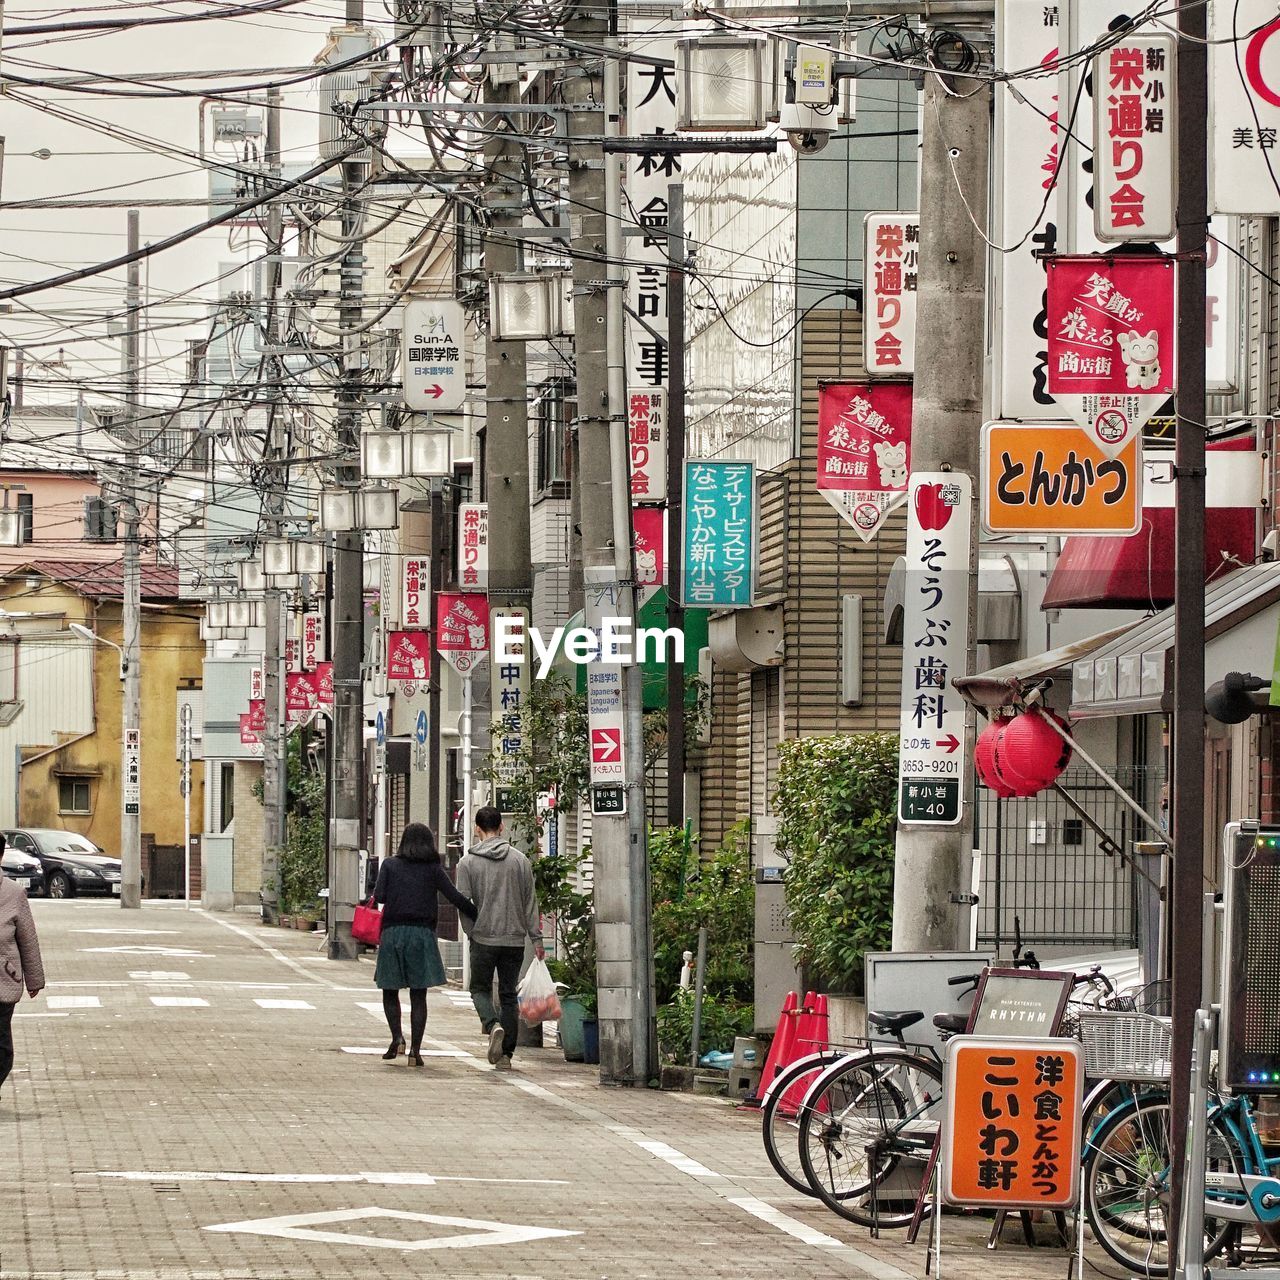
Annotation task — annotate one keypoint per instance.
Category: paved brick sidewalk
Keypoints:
(191, 1080)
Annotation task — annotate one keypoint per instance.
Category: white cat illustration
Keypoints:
(646, 567)
(893, 464)
(1141, 355)
(475, 637)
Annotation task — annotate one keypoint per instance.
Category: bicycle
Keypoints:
(1126, 1173)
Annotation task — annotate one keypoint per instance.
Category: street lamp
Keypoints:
(347, 510)
(724, 82)
(94, 638)
(529, 306)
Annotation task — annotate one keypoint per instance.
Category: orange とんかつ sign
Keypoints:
(1011, 1127)
(1051, 478)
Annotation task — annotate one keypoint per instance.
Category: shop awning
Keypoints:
(1132, 674)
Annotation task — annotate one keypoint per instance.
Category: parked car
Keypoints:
(72, 864)
(24, 869)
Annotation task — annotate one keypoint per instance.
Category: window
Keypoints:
(227, 795)
(553, 411)
(73, 795)
(27, 515)
(99, 520)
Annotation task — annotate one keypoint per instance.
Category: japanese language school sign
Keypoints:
(434, 351)
(473, 545)
(462, 630)
(892, 258)
(719, 533)
(935, 641)
(1111, 343)
(1244, 65)
(1050, 478)
(408, 655)
(1134, 138)
(864, 450)
(1011, 1124)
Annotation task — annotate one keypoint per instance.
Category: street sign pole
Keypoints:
(186, 803)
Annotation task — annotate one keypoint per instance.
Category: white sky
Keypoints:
(37, 244)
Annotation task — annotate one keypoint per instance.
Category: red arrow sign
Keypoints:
(606, 747)
(435, 390)
(951, 742)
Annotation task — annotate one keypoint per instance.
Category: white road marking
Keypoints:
(283, 1004)
(280, 955)
(42, 1015)
(158, 975)
(676, 1159)
(370, 1179)
(179, 1002)
(266, 986)
(74, 1002)
(303, 1226)
(127, 933)
(784, 1222)
(146, 949)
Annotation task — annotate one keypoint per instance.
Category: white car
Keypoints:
(24, 870)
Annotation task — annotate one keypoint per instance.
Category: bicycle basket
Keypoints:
(1126, 1046)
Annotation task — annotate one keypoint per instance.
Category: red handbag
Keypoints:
(366, 925)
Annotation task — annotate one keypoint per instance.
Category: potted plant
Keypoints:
(574, 968)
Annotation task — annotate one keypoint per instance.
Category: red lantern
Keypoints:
(984, 757)
(1029, 755)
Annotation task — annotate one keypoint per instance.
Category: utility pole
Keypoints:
(676, 252)
(131, 601)
(348, 585)
(274, 759)
(1187, 772)
(618, 847)
(931, 863)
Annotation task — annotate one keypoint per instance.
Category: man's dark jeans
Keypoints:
(6, 1041)
(506, 962)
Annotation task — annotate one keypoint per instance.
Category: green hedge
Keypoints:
(837, 803)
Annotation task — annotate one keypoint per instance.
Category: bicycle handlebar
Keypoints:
(965, 979)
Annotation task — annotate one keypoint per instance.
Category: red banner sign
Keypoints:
(462, 630)
(258, 715)
(248, 734)
(1111, 343)
(300, 698)
(864, 450)
(649, 530)
(323, 679)
(408, 655)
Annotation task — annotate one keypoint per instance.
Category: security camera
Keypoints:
(808, 141)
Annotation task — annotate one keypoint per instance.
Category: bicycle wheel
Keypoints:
(866, 1130)
(1126, 1181)
(780, 1116)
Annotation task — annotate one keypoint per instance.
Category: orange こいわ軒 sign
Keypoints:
(1011, 1125)
(1051, 478)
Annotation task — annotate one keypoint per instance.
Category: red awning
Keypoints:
(1137, 572)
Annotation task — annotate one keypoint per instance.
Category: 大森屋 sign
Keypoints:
(719, 533)
(1111, 343)
(1042, 477)
(462, 629)
(864, 450)
(1011, 1122)
(935, 640)
(1134, 137)
(892, 258)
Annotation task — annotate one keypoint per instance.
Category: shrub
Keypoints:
(722, 1020)
(836, 804)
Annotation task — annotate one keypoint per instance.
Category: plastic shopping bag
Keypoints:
(538, 999)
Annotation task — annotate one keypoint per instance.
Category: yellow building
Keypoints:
(60, 709)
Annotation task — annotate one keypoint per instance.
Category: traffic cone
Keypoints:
(822, 1025)
(777, 1057)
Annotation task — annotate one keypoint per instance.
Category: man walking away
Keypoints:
(498, 878)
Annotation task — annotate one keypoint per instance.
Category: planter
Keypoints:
(572, 1013)
(590, 1040)
(285, 922)
(306, 926)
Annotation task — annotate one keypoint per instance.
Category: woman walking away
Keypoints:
(19, 963)
(408, 954)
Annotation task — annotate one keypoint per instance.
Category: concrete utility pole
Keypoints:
(1187, 770)
(348, 587)
(274, 760)
(932, 863)
(131, 603)
(624, 967)
(676, 252)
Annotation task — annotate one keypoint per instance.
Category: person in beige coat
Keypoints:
(20, 964)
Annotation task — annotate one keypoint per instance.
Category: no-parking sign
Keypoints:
(1245, 107)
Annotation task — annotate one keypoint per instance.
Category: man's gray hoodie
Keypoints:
(499, 880)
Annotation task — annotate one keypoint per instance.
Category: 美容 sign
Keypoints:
(719, 534)
(864, 450)
(1111, 343)
(892, 257)
(1134, 134)
(1244, 64)
(1011, 1122)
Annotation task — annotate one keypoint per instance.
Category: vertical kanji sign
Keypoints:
(1134, 139)
(312, 639)
(864, 450)
(473, 546)
(935, 642)
(646, 430)
(1011, 1122)
(415, 592)
(719, 534)
(892, 265)
(1244, 63)
(509, 685)
(462, 630)
(1111, 343)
